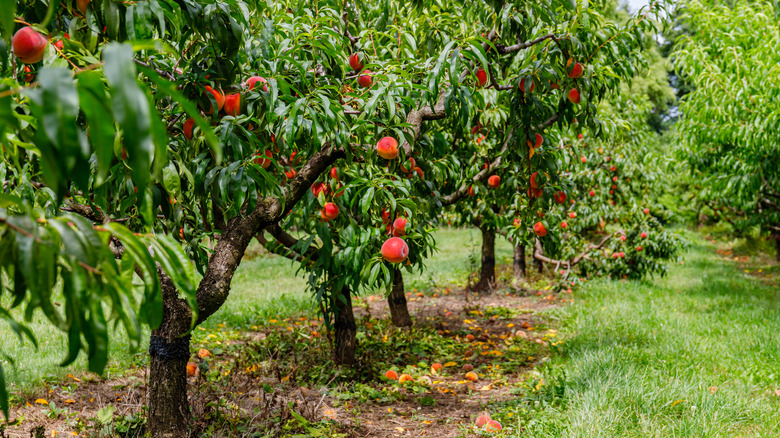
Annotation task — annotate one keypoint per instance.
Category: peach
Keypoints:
(583, 159)
(318, 188)
(387, 148)
(639, 248)
(471, 375)
(437, 367)
(494, 181)
(329, 212)
(365, 79)
(564, 224)
(538, 141)
(592, 193)
(29, 45)
(354, 62)
(530, 87)
(574, 96)
(560, 197)
(218, 97)
(251, 82)
(623, 238)
(621, 254)
(470, 338)
(81, 5)
(613, 168)
(482, 420)
(539, 229)
(646, 211)
(572, 214)
(419, 172)
(643, 235)
(395, 250)
(262, 161)
(188, 124)
(574, 71)
(392, 375)
(534, 183)
(385, 216)
(405, 378)
(203, 353)
(412, 165)
(492, 426)
(28, 75)
(191, 368)
(517, 222)
(399, 226)
(334, 173)
(233, 104)
(482, 77)
(290, 174)
(471, 190)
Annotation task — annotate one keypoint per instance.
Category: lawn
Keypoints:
(694, 354)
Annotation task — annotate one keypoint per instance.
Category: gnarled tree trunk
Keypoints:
(518, 264)
(345, 328)
(487, 273)
(169, 409)
(399, 312)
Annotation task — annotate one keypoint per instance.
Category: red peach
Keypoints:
(395, 250)
(29, 45)
(387, 148)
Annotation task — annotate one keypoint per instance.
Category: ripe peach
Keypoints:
(28, 75)
(385, 216)
(592, 193)
(538, 140)
(493, 426)
(437, 367)
(395, 250)
(482, 420)
(29, 45)
(574, 71)
(579, 136)
(564, 224)
(470, 338)
(574, 96)
(203, 353)
(399, 226)
(290, 174)
(471, 190)
(472, 376)
(560, 197)
(583, 159)
(468, 367)
(530, 87)
(613, 168)
(365, 79)
(534, 183)
(643, 235)
(482, 77)
(192, 367)
(621, 254)
(188, 124)
(392, 375)
(517, 222)
(387, 148)
(329, 212)
(646, 211)
(354, 62)
(218, 97)
(623, 238)
(539, 229)
(405, 378)
(419, 173)
(233, 104)
(262, 161)
(318, 188)
(251, 82)
(639, 248)
(412, 165)
(334, 173)
(448, 314)
(494, 181)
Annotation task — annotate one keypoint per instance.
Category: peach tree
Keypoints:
(142, 141)
(728, 131)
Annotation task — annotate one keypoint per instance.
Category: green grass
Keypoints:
(264, 287)
(639, 358)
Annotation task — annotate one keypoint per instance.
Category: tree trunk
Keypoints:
(169, 409)
(539, 263)
(518, 264)
(399, 312)
(487, 273)
(777, 247)
(345, 329)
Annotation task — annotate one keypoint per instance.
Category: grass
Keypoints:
(264, 287)
(692, 355)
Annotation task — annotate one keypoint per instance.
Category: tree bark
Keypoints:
(345, 328)
(399, 312)
(169, 409)
(487, 273)
(518, 263)
(777, 247)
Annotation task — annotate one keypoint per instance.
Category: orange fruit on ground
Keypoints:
(191, 368)
(405, 378)
(492, 426)
(203, 353)
(482, 420)
(471, 375)
(470, 337)
(392, 375)
(437, 367)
